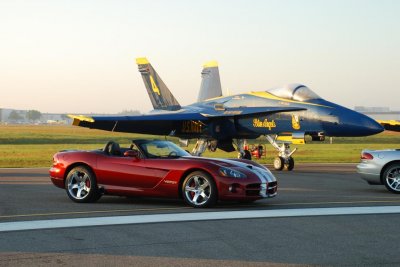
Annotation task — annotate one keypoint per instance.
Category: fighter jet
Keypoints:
(284, 115)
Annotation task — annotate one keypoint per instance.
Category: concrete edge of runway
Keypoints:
(193, 216)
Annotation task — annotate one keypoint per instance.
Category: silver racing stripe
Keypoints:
(263, 180)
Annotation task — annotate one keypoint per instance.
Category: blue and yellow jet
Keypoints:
(283, 115)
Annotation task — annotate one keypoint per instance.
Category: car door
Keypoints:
(126, 172)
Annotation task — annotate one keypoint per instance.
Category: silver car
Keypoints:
(381, 167)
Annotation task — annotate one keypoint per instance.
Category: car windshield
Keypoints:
(161, 149)
(296, 92)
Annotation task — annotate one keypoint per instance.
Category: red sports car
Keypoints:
(159, 169)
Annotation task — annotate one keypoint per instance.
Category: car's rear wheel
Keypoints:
(199, 190)
(81, 185)
(391, 177)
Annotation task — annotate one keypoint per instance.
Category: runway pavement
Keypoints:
(318, 234)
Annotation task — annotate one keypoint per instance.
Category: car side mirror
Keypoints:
(132, 154)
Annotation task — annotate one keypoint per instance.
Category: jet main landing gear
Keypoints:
(200, 147)
(243, 153)
(202, 144)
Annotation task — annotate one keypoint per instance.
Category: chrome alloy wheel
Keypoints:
(198, 190)
(392, 178)
(79, 185)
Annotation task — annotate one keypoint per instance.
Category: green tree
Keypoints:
(33, 115)
(14, 116)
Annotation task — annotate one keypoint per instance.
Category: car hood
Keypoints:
(221, 162)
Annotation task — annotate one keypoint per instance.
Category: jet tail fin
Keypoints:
(210, 82)
(160, 96)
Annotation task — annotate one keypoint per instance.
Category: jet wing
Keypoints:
(390, 125)
(157, 124)
(166, 123)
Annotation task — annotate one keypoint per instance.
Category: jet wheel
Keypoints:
(279, 163)
(289, 164)
(247, 155)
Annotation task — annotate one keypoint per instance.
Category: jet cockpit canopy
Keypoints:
(294, 91)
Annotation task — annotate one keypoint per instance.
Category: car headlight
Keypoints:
(227, 172)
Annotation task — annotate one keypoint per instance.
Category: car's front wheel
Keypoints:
(199, 190)
(391, 177)
(81, 185)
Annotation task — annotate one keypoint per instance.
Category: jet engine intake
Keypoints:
(318, 136)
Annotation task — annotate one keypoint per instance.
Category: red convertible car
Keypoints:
(157, 168)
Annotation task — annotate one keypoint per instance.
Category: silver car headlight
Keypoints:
(227, 172)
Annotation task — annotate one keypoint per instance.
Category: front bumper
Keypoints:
(259, 184)
(263, 190)
(247, 191)
(370, 172)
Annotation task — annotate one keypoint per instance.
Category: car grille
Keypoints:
(272, 188)
(254, 189)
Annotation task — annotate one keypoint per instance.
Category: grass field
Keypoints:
(33, 146)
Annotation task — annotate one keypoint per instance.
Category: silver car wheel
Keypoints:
(79, 185)
(393, 178)
(197, 190)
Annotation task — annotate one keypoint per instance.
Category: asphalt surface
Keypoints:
(353, 240)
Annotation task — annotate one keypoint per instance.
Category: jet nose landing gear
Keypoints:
(281, 163)
(284, 159)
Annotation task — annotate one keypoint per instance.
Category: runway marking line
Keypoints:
(88, 212)
(333, 202)
(186, 208)
(193, 216)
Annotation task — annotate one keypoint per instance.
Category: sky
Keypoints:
(78, 56)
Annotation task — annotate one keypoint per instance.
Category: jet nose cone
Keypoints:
(350, 123)
(367, 126)
(371, 126)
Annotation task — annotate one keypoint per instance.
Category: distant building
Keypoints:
(371, 109)
(379, 113)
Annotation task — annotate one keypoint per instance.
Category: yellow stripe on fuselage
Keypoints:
(267, 95)
(290, 139)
